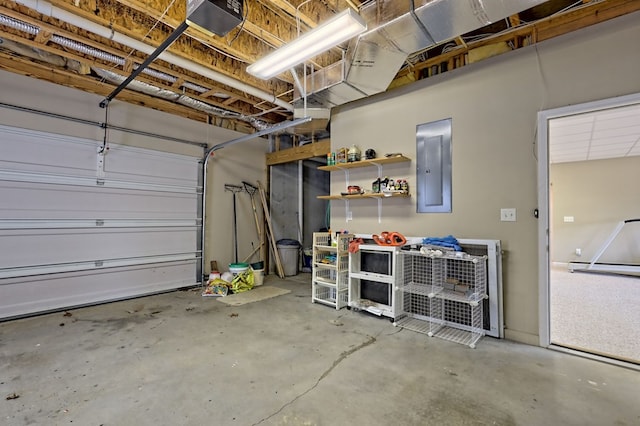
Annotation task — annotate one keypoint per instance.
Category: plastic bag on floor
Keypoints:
(242, 282)
(216, 288)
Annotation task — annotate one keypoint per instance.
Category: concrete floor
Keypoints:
(180, 359)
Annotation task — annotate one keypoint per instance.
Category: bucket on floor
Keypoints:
(258, 277)
(257, 265)
(236, 268)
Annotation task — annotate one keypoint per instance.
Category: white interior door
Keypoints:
(80, 227)
(589, 155)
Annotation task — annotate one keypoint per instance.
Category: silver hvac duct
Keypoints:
(374, 59)
(149, 89)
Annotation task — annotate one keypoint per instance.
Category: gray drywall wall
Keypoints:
(494, 106)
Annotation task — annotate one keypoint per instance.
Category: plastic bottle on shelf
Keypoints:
(405, 186)
(375, 186)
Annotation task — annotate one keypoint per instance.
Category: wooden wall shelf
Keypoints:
(368, 195)
(379, 196)
(365, 163)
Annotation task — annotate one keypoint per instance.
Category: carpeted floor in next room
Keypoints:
(182, 359)
(596, 312)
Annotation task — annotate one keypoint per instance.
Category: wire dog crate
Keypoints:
(442, 295)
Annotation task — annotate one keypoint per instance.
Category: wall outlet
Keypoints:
(578, 252)
(568, 219)
(508, 215)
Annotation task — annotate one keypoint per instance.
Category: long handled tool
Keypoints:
(270, 234)
(234, 189)
(251, 190)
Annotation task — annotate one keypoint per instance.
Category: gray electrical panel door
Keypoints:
(433, 174)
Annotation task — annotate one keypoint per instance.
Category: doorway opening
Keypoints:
(589, 161)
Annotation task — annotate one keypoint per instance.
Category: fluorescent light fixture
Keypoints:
(338, 29)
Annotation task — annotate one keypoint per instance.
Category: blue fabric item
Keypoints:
(449, 241)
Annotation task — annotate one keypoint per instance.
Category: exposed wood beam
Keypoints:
(128, 66)
(295, 13)
(179, 82)
(209, 93)
(43, 37)
(230, 101)
(304, 152)
(228, 43)
(544, 29)
(54, 49)
(514, 20)
(196, 48)
(71, 79)
(583, 16)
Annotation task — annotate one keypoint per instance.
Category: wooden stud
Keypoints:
(229, 101)
(43, 37)
(128, 66)
(178, 83)
(304, 152)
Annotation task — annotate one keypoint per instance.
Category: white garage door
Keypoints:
(78, 228)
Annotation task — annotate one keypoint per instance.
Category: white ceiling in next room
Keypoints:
(597, 135)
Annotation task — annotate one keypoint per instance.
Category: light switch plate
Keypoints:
(508, 215)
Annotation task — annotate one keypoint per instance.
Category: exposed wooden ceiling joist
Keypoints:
(267, 25)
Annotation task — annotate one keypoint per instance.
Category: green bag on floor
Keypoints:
(242, 282)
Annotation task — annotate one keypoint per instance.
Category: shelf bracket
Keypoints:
(346, 210)
(379, 166)
(379, 210)
(346, 177)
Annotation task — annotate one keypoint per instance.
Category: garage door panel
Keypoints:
(34, 247)
(52, 201)
(42, 152)
(77, 227)
(136, 165)
(21, 296)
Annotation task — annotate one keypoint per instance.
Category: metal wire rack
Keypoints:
(442, 295)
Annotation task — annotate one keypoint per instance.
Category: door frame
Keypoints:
(543, 203)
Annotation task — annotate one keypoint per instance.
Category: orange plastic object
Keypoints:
(354, 245)
(389, 239)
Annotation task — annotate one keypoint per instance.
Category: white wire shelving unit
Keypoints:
(442, 295)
